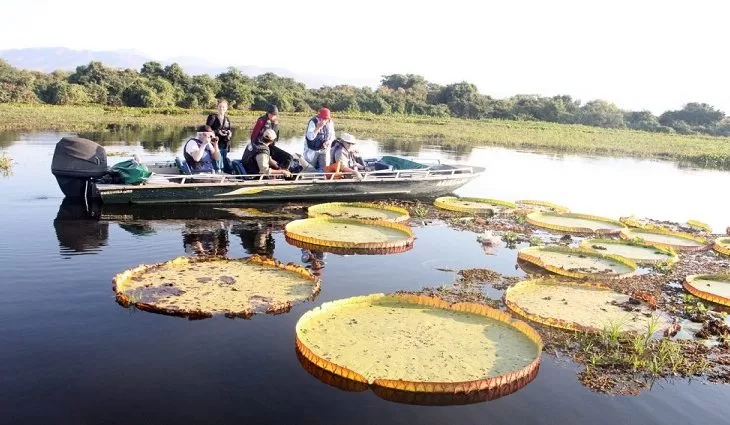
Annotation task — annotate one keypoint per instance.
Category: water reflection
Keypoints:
(205, 239)
(78, 230)
(256, 238)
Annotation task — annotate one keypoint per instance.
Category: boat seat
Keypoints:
(183, 166)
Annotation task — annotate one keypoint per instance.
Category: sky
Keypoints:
(639, 54)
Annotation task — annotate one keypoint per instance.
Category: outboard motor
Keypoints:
(75, 162)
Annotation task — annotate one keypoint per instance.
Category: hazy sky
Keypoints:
(640, 54)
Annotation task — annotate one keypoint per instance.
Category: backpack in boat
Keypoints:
(131, 172)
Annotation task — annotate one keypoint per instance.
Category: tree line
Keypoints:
(169, 86)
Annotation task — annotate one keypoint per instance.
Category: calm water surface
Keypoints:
(70, 355)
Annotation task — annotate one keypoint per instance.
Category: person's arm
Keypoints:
(257, 129)
(193, 150)
(262, 160)
(210, 120)
(214, 151)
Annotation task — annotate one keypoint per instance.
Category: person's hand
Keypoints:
(286, 173)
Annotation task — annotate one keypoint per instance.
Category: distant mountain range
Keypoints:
(49, 59)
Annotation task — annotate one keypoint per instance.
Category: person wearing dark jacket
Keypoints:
(257, 156)
(221, 126)
(280, 159)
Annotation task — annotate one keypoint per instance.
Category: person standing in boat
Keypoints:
(202, 151)
(318, 139)
(257, 155)
(343, 158)
(280, 159)
(221, 125)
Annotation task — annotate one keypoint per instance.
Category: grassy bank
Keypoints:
(703, 151)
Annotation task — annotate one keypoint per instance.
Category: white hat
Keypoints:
(348, 138)
(269, 135)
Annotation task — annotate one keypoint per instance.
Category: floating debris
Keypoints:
(418, 349)
(206, 286)
(360, 210)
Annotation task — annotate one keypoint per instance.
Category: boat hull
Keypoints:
(280, 190)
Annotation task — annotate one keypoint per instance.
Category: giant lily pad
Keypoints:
(360, 210)
(722, 245)
(473, 205)
(351, 235)
(575, 223)
(532, 205)
(203, 287)
(418, 349)
(666, 239)
(634, 251)
(577, 262)
(711, 287)
(578, 306)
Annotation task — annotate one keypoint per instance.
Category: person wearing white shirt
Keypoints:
(318, 139)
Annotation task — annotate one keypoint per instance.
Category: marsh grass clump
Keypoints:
(6, 164)
(615, 360)
(419, 210)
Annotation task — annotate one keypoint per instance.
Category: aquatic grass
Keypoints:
(6, 164)
(400, 132)
(420, 210)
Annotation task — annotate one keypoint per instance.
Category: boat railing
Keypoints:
(410, 174)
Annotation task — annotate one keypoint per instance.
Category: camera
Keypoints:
(214, 139)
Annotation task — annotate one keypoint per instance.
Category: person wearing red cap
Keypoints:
(318, 138)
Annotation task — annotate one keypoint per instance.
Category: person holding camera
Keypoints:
(221, 126)
(202, 151)
(318, 138)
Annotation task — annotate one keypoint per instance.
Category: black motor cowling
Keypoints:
(75, 162)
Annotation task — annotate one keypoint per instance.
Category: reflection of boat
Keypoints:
(78, 230)
(79, 165)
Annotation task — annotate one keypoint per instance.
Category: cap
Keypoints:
(273, 110)
(269, 135)
(348, 138)
(324, 113)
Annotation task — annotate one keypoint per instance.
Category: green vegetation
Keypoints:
(168, 87)
(6, 164)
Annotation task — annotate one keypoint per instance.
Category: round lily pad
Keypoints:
(207, 286)
(575, 223)
(722, 245)
(577, 262)
(353, 235)
(579, 306)
(473, 205)
(418, 349)
(711, 287)
(359, 210)
(635, 251)
(666, 239)
(532, 205)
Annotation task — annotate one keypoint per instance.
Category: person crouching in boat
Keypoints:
(343, 158)
(256, 156)
(278, 158)
(201, 151)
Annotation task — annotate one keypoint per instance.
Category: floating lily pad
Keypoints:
(711, 287)
(359, 210)
(635, 251)
(532, 205)
(666, 239)
(418, 349)
(575, 223)
(473, 205)
(356, 235)
(722, 245)
(578, 306)
(577, 262)
(204, 287)
(695, 224)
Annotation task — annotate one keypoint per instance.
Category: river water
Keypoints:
(69, 354)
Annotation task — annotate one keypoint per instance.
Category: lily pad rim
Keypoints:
(291, 227)
(689, 286)
(526, 254)
(533, 219)
(314, 210)
(673, 257)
